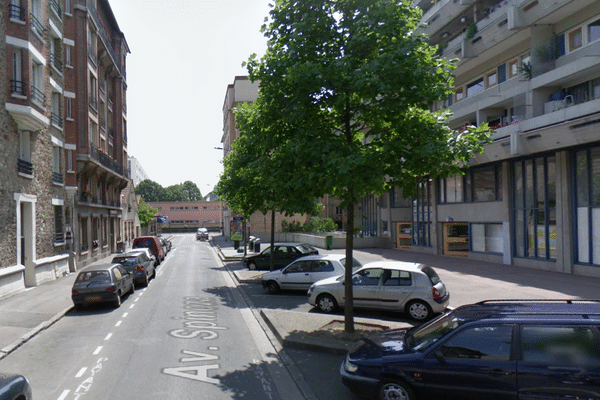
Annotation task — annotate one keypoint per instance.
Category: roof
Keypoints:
(324, 257)
(101, 267)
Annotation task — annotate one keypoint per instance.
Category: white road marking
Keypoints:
(64, 395)
(108, 336)
(81, 372)
(131, 306)
(97, 350)
(118, 323)
(125, 315)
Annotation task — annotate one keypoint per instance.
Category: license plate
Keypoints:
(92, 299)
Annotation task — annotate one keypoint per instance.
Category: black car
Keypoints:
(102, 284)
(14, 387)
(285, 253)
(513, 350)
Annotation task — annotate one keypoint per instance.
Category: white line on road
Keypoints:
(108, 336)
(131, 306)
(64, 395)
(118, 323)
(125, 315)
(81, 372)
(97, 350)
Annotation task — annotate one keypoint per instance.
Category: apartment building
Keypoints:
(531, 70)
(33, 205)
(95, 110)
(190, 215)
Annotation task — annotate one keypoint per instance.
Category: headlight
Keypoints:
(348, 366)
(310, 289)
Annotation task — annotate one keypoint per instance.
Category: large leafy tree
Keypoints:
(145, 213)
(150, 191)
(345, 87)
(153, 192)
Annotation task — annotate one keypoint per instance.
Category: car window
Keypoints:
(126, 260)
(560, 345)
(355, 263)
(322, 266)
(422, 337)
(303, 249)
(482, 343)
(143, 243)
(367, 277)
(300, 266)
(266, 252)
(431, 274)
(282, 250)
(397, 278)
(96, 276)
(117, 273)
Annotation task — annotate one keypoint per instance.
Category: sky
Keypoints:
(184, 53)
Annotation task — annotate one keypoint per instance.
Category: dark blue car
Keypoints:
(525, 350)
(14, 386)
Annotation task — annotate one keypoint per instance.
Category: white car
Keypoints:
(413, 288)
(303, 272)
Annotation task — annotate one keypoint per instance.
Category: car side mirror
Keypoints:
(439, 356)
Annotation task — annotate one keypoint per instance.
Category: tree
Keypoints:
(150, 191)
(345, 87)
(191, 192)
(145, 213)
(153, 192)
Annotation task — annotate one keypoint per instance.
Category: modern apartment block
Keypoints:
(63, 137)
(95, 109)
(531, 70)
(186, 216)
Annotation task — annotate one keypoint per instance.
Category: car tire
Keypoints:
(117, 302)
(419, 310)
(145, 283)
(79, 306)
(395, 390)
(132, 287)
(252, 265)
(273, 287)
(326, 303)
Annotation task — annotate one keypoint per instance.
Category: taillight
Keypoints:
(139, 268)
(74, 291)
(435, 293)
(111, 288)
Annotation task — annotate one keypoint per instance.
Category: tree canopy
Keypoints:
(343, 106)
(154, 192)
(145, 213)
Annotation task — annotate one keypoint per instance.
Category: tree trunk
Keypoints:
(348, 302)
(272, 257)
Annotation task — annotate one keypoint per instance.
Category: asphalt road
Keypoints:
(188, 335)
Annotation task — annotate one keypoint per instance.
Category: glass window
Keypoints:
(575, 39)
(482, 343)
(587, 188)
(421, 222)
(501, 73)
(560, 345)
(513, 68)
(300, 266)
(491, 78)
(322, 266)
(559, 45)
(487, 238)
(367, 277)
(484, 184)
(459, 94)
(475, 87)
(397, 278)
(594, 31)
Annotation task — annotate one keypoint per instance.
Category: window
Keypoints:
(575, 39)
(481, 343)
(421, 215)
(535, 208)
(17, 85)
(513, 68)
(55, 113)
(586, 163)
(486, 184)
(501, 73)
(56, 159)
(559, 45)
(487, 238)
(59, 231)
(491, 79)
(367, 277)
(459, 94)
(300, 266)
(560, 345)
(36, 18)
(69, 108)
(397, 278)
(451, 189)
(68, 56)
(24, 146)
(322, 266)
(37, 84)
(397, 199)
(594, 31)
(67, 6)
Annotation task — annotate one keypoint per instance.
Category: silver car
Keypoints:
(415, 289)
(302, 273)
(139, 264)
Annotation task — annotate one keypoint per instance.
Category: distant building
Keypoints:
(190, 215)
(137, 171)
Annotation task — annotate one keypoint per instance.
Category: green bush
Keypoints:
(313, 224)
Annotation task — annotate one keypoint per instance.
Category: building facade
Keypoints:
(190, 215)
(95, 52)
(33, 240)
(531, 70)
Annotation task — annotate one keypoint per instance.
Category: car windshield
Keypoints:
(143, 243)
(355, 263)
(304, 249)
(420, 338)
(433, 276)
(125, 260)
(95, 276)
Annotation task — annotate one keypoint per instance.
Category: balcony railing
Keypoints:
(56, 7)
(37, 25)
(18, 87)
(105, 160)
(56, 63)
(38, 95)
(24, 167)
(93, 102)
(59, 237)
(57, 178)
(16, 12)
(56, 120)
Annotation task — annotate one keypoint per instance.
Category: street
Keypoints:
(189, 334)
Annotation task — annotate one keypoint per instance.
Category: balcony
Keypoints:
(18, 88)
(37, 26)
(56, 8)
(56, 120)
(17, 13)
(38, 96)
(57, 178)
(24, 167)
(56, 63)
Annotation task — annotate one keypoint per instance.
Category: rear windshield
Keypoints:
(148, 243)
(433, 276)
(95, 276)
(305, 249)
(126, 260)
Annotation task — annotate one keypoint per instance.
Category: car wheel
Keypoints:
(79, 306)
(132, 287)
(153, 273)
(326, 303)
(419, 310)
(145, 283)
(395, 390)
(272, 287)
(252, 265)
(117, 302)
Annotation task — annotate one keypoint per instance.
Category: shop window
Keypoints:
(587, 205)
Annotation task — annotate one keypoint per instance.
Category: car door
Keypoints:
(124, 279)
(320, 269)
(559, 362)
(283, 256)
(473, 364)
(396, 287)
(365, 287)
(147, 263)
(296, 276)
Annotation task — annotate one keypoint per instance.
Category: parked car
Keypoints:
(202, 234)
(138, 264)
(164, 244)
(415, 289)
(153, 243)
(285, 253)
(167, 243)
(302, 273)
(146, 251)
(490, 350)
(14, 387)
(102, 283)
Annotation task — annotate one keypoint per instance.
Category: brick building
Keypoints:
(190, 215)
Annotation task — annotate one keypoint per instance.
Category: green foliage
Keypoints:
(145, 213)
(471, 31)
(314, 224)
(154, 192)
